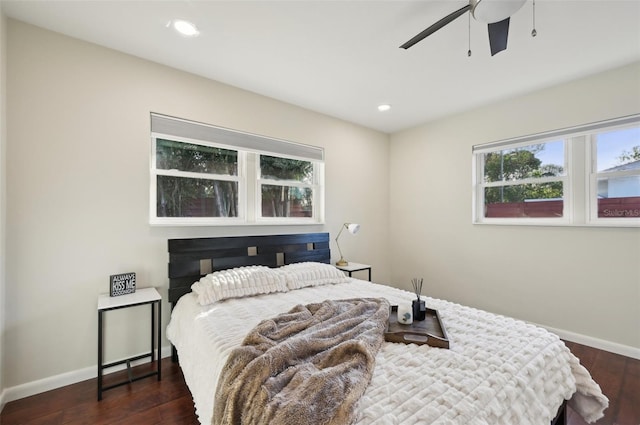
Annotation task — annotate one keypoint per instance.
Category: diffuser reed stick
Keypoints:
(417, 286)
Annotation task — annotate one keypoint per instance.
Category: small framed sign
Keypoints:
(121, 284)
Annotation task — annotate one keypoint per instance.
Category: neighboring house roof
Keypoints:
(635, 165)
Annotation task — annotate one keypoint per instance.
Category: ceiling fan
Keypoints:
(496, 13)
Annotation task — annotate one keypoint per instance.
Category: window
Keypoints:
(286, 187)
(206, 175)
(615, 177)
(587, 175)
(525, 181)
(195, 180)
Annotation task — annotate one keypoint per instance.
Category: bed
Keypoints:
(498, 370)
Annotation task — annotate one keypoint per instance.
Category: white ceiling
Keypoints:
(342, 58)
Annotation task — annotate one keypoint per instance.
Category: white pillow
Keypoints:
(238, 282)
(300, 275)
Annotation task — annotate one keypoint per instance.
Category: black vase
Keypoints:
(419, 310)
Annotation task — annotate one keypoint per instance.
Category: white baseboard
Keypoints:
(64, 379)
(601, 344)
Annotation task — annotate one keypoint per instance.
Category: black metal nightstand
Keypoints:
(355, 267)
(140, 297)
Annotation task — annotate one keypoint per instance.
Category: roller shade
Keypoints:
(555, 134)
(172, 126)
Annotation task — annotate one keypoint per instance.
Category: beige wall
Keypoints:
(77, 201)
(3, 138)
(78, 189)
(582, 281)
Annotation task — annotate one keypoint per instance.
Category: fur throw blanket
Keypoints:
(307, 366)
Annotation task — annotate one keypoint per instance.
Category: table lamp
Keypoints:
(353, 229)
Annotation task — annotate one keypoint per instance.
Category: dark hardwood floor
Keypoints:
(619, 378)
(148, 401)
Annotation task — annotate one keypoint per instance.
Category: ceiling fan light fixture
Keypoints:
(491, 11)
(495, 13)
(186, 28)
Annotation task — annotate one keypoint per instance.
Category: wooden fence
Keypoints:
(607, 208)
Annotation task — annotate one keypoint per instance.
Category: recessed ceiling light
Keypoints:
(185, 28)
(384, 107)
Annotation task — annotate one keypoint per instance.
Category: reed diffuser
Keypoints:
(419, 307)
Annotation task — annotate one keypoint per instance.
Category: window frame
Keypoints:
(196, 221)
(249, 202)
(318, 176)
(592, 175)
(580, 192)
(480, 187)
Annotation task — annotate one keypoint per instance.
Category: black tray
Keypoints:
(429, 331)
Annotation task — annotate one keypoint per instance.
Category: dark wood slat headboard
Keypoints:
(190, 259)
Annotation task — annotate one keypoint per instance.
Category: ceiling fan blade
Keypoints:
(498, 34)
(435, 27)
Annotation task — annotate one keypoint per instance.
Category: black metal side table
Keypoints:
(355, 267)
(140, 297)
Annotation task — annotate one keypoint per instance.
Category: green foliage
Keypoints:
(281, 200)
(172, 155)
(515, 165)
(193, 197)
(276, 168)
(629, 156)
(188, 197)
(183, 197)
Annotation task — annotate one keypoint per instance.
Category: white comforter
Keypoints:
(497, 371)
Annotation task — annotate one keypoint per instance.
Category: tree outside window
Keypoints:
(205, 175)
(587, 175)
(294, 199)
(184, 196)
(521, 184)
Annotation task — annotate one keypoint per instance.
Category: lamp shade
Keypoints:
(353, 228)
